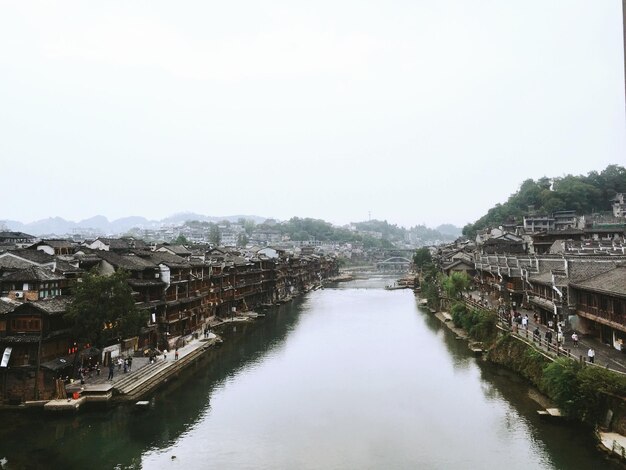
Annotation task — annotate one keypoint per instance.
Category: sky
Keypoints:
(407, 111)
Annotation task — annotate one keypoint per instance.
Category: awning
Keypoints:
(59, 363)
(6, 356)
(90, 352)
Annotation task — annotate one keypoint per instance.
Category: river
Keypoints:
(352, 377)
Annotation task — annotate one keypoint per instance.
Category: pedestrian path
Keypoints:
(605, 355)
(141, 370)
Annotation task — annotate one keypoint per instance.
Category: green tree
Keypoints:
(422, 257)
(455, 284)
(103, 309)
(583, 194)
(180, 240)
(242, 240)
(214, 234)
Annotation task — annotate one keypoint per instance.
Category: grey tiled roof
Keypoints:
(173, 261)
(32, 273)
(580, 270)
(7, 306)
(51, 305)
(37, 256)
(179, 250)
(128, 262)
(611, 282)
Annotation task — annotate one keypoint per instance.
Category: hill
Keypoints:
(583, 194)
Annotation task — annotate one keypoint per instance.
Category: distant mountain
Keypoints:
(449, 229)
(183, 217)
(57, 226)
(126, 223)
(187, 216)
(99, 222)
(51, 225)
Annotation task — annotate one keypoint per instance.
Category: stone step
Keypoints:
(135, 376)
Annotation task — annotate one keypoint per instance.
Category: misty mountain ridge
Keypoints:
(58, 226)
(101, 225)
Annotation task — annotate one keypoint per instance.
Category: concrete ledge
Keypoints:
(613, 443)
(64, 405)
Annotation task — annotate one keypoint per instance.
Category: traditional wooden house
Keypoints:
(16, 239)
(547, 293)
(20, 259)
(31, 335)
(600, 305)
(178, 250)
(31, 284)
(54, 247)
(120, 245)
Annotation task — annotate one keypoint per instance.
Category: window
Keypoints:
(25, 324)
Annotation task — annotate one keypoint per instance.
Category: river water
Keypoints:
(352, 377)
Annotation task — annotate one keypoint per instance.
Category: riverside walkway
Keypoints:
(143, 377)
(606, 356)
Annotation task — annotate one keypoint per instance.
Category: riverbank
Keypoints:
(523, 358)
(148, 375)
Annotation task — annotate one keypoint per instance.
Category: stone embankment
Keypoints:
(148, 376)
(528, 359)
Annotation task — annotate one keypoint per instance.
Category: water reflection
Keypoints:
(350, 377)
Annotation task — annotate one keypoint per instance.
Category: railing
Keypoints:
(597, 312)
(550, 349)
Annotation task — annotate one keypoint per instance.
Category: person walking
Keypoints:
(591, 355)
(575, 339)
(525, 322)
(537, 335)
(111, 370)
(549, 337)
(130, 363)
(176, 355)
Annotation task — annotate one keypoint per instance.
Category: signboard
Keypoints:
(6, 356)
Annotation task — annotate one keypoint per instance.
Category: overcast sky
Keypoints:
(416, 111)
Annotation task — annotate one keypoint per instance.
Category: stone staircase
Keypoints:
(135, 384)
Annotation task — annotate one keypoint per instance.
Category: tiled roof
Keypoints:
(57, 243)
(7, 306)
(582, 269)
(29, 257)
(32, 273)
(51, 305)
(611, 282)
(128, 262)
(37, 256)
(20, 339)
(63, 266)
(169, 259)
(12, 263)
(11, 235)
(179, 250)
(145, 282)
(543, 278)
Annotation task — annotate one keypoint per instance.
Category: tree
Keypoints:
(103, 309)
(422, 257)
(455, 284)
(583, 194)
(242, 240)
(214, 234)
(180, 240)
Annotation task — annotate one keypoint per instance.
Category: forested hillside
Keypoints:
(584, 194)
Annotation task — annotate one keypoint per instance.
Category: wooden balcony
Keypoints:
(602, 316)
